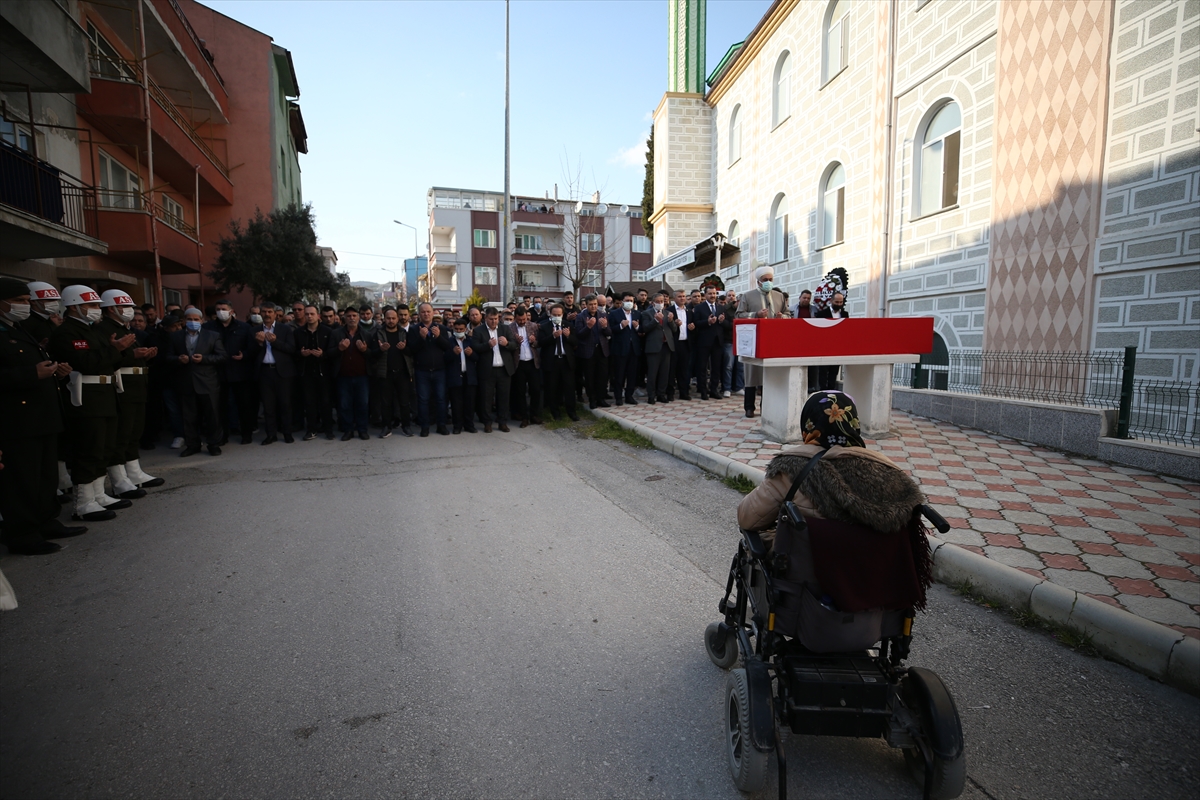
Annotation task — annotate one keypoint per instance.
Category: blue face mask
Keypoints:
(192, 325)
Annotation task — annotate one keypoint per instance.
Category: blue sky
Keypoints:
(401, 96)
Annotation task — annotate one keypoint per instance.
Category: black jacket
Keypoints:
(283, 349)
(508, 352)
(548, 347)
(827, 313)
(313, 366)
(708, 329)
(428, 353)
(334, 351)
(653, 330)
(89, 352)
(236, 337)
(202, 377)
(29, 405)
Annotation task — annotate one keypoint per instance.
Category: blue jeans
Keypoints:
(354, 394)
(732, 379)
(431, 385)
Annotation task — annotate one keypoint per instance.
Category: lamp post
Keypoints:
(416, 266)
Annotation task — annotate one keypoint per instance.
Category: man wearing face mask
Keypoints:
(199, 354)
(124, 469)
(237, 374)
(835, 310)
(625, 322)
(592, 334)
(462, 379)
(557, 348)
(659, 329)
(90, 399)
(45, 311)
(30, 423)
(765, 302)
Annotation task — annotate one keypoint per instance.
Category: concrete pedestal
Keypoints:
(868, 379)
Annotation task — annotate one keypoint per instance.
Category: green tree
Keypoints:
(476, 299)
(275, 257)
(648, 187)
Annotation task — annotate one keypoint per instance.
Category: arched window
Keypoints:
(735, 135)
(937, 160)
(835, 41)
(833, 205)
(781, 89)
(779, 230)
(735, 233)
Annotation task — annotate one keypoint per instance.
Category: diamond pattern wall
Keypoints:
(1051, 74)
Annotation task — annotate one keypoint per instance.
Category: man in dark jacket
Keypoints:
(237, 373)
(200, 355)
(394, 366)
(836, 309)
(495, 345)
(557, 348)
(659, 330)
(30, 422)
(462, 378)
(275, 356)
(624, 321)
(132, 375)
(592, 335)
(428, 344)
(709, 314)
(312, 347)
(352, 354)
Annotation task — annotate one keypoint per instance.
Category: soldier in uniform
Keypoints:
(91, 407)
(30, 422)
(124, 470)
(45, 306)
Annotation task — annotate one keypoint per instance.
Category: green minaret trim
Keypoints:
(686, 32)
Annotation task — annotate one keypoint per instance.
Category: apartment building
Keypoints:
(182, 120)
(1025, 173)
(557, 246)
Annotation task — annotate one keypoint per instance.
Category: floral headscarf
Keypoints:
(830, 418)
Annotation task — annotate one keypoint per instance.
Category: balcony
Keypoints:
(125, 225)
(538, 219)
(115, 107)
(44, 212)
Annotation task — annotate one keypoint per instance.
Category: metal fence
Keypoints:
(1165, 411)
(40, 189)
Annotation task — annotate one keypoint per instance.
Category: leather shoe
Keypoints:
(574, 417)
(631, 401)
(524, 423)
(189, 451)
(309, 436)
(535, 421)
(287, 438)
(224, 441)
(364, 436)
(214, 450)
(471, 429)
(247, 440)
(329, 435)
(347, 436)
(270, 440)
(487, 427)
(63, 531)
(503, 426)
(96, 516)
(442, 430)
(34, 548)
(749, 414)
(603, 404)
(424, 432)
(456, 430)
(134, 494)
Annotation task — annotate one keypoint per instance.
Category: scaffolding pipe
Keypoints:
(158, 284)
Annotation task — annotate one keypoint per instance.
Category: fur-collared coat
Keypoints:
(852, 484)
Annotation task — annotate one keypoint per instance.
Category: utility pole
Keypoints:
(506, 214)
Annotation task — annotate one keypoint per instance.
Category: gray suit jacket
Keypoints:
(749, 304)
(198, 378)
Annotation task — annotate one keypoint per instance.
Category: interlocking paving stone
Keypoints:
(1125, 536)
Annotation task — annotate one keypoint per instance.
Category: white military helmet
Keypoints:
(77, 295)
(115, 297)
(40, 290)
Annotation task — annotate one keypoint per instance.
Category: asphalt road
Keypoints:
(480, 616)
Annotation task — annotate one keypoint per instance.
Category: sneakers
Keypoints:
(740, 393)
(726, 393)
(177, 443)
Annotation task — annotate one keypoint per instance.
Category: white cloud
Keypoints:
(633, 156)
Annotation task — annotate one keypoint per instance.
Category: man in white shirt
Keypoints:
(526, 395)
(681, 362)
(496, 345)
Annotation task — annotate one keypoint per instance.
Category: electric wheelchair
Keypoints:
(810, 668)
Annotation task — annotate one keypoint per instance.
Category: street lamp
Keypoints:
(416, 266)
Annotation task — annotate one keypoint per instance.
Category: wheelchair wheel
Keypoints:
(929, 698)
(747, 765)
(722, 650)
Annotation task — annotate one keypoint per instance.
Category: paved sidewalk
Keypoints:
(1126, 537)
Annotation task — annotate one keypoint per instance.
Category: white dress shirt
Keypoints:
(497, 361)
(681, 315)
(269, 356)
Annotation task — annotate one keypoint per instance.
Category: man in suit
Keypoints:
(352, 354)
(312, 346)
(680, 380)
(526, 396)
(200, 353)
(462, 378)
(625, 322)
(557, 348)
(709, 314)
(276, 358)
(732, 380)
(237, 373)
(835, 310)
(496, 346)
(592, 335)
(428, 344)
(762, 302)
(395, 365)
(659, 329)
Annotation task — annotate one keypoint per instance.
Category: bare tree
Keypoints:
(578, 263)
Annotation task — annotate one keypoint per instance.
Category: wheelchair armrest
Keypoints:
(937, 519)
(755, 544)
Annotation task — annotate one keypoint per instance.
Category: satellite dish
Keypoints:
(602, 209)
(624, 209)
(579, 207)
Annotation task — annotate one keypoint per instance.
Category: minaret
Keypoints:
(685, 54)
(683, 139)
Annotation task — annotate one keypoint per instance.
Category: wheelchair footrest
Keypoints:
(837, 696)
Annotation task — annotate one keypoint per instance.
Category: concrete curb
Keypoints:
(1150, 648)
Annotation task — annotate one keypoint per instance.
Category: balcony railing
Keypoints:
(40, 189)
(175, 221)
(113, 200)
(196, 40)
(119, 69)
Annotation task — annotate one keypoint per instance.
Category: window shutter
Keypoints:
(950, 170)
(841, 212)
